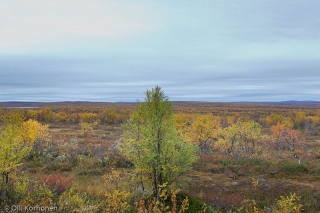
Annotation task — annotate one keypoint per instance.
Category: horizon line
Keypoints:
(83, 101)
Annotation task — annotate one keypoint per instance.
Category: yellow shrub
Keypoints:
(288, 204)
(117, 201)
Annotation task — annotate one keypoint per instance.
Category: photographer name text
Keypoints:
(21, 208)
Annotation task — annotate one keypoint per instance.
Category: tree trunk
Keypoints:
(141, 181)
(155, 185)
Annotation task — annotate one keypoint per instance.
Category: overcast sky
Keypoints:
(99, 50)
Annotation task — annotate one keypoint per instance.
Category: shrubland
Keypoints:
(158, 156)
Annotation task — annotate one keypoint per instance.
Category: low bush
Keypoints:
(115, 159)
(224, 202)
(90, 172)
(56, 183)
(292, 168)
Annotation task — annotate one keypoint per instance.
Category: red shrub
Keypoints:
(224, 202)
(56, 183)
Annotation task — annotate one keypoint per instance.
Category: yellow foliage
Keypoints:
(274, 119)
(255, 183)
(87, 127)
(117, 201)
(12, 148)
(300, 116)
(74, 201)
(87, 117)
(277, 130)
(288, 204)
(155, 206)
(288, 123)
(204, 131)
(113, 178)
(43, 134)
(29, 131)
(120, 186)
(183, 123)
(32, 131)
(16, 141)
(36, 194)
(241, 139)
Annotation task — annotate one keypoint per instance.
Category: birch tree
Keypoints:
(151, 143)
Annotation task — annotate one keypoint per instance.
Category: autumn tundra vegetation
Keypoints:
(161, 156)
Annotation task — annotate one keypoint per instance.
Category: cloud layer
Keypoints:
(202, 51)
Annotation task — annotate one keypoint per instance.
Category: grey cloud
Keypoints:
(205, 51)
(258, 82)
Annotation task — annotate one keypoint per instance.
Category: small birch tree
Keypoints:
(151, 142)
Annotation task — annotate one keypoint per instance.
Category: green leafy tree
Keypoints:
(17, 139)
(12, 151)
(151, 142)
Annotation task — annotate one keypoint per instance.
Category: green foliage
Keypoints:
(90, 172)
(292, 168)
(75, 201)
(310, 201)
(36, 193)
(17, 139)
(94, 159)
(12, 148)
(151, 142)
(12, 151)
(28, 191)
(195, 204)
